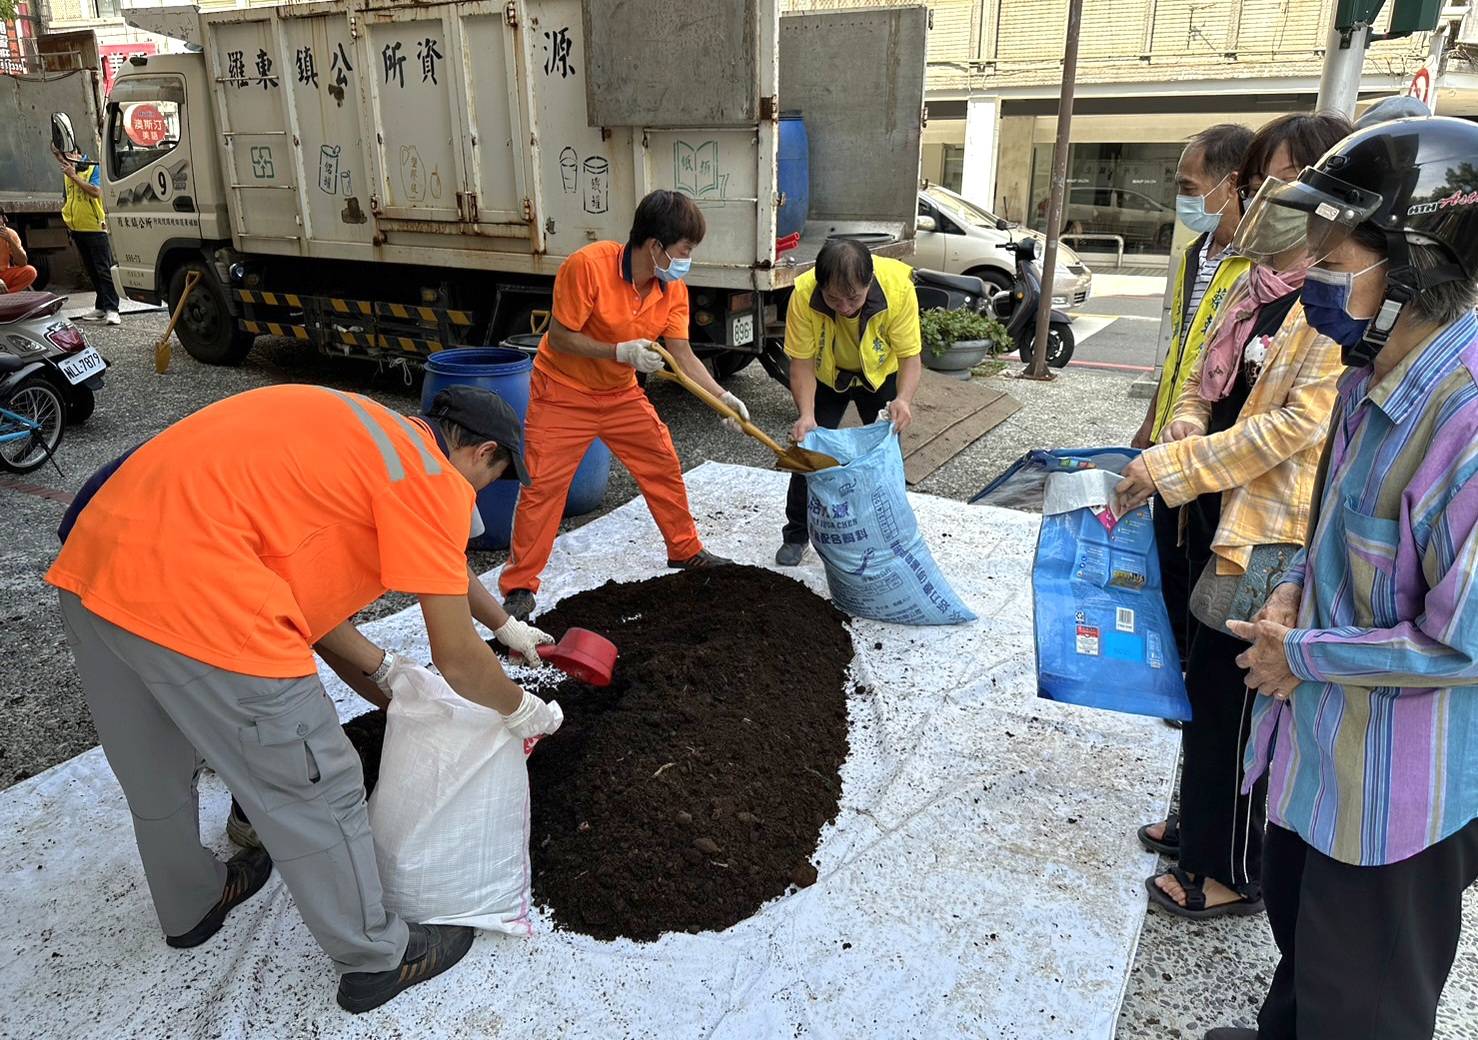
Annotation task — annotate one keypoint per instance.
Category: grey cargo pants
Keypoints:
(278, 746)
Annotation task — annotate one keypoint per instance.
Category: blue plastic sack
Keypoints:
(1103, 635)
(1023, 483)
(863, 528)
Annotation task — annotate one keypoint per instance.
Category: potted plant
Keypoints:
(957, 341)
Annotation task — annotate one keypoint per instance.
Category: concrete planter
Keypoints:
(961, 356)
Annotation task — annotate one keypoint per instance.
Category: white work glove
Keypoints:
(523, 640)
(394, 667)
(534, 717)
(738, 406)
(638, 353)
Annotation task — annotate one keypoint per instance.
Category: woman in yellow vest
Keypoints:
(852, 335)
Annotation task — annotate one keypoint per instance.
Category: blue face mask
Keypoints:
(677, 267)
(1326, 300)
(1190, 210)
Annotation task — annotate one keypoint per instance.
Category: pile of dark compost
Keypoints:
(693, 789)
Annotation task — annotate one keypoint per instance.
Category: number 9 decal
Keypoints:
(163, 184)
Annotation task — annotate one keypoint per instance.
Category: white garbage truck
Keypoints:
(386, 180)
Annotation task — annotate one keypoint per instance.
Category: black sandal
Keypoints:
(1195, 908)
(1169, 845)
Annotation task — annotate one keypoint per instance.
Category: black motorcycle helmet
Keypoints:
(1408, 181)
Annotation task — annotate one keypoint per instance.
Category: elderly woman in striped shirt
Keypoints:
(1367, 654)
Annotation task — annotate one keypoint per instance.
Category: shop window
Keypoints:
(1126, 191)
(952, 174)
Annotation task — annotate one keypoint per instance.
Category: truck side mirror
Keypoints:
(63, 139)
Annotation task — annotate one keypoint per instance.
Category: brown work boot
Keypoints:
(432, 949)
(702, 558)
(246, 873)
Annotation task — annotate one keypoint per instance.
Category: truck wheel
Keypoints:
(206, 327)
(730, 362)
(42, 263)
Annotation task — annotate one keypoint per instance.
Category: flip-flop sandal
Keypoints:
(1169, 845)
(1195, 908)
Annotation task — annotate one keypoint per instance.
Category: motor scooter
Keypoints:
(1016, 308)
(951, 292)
(49, 377)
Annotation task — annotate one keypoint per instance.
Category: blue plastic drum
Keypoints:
(505, 371)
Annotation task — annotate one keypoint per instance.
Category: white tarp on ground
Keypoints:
(981, 880)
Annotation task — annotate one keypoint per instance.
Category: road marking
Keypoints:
(1086, 326)
(11, 484)
(1116, 317)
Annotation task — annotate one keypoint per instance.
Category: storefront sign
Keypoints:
(146, 125)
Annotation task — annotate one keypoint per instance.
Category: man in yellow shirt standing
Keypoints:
(852, 336)
(82, 211)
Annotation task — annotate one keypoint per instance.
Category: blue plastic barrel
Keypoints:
(505, 371)
(794, 175)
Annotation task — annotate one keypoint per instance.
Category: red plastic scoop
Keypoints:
(583, 655)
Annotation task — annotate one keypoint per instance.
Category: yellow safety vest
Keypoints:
(80, 211)
(888, 325)
(1186, 340)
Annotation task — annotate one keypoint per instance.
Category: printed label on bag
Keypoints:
(1124, 619)
(1088, 640)
(1153, 654)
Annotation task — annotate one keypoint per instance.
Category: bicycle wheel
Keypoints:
(38, 403)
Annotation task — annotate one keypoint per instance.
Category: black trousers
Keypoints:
(1175, 581)
(97, 260)
(1221, 829)
(830, 406)
(1365, 950)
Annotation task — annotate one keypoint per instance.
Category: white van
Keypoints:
(958, 237)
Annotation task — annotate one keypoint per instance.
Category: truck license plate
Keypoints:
(743, 330)
(81, 367)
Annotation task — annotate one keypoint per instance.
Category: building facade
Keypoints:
(1150, 74)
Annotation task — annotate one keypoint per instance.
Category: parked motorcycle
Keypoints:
(49, 377)
(951, 292)
(1016, 308)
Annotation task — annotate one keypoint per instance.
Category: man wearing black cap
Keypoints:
(195, 587)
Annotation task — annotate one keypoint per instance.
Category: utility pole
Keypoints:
(1038, 367)
(1344, 60)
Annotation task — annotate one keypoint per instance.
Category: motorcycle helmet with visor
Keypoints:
(1407, 181)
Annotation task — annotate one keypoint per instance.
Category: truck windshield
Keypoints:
(143, 129)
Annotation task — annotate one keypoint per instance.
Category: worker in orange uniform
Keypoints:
(15, 274)
(195, 587)
(610, 302)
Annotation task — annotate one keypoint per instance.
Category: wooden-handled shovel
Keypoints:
(162, 350)
(793, 459)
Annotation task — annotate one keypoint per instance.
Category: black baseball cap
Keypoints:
(485, 414)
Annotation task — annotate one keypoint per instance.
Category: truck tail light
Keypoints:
(740, 302)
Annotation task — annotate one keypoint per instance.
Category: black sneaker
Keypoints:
(520, 604)
(702, 558)
(246, 873)
(433, 948)
(790, 554)
(239, 829)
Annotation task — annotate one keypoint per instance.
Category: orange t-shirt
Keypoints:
(242, 534)
(593, 295)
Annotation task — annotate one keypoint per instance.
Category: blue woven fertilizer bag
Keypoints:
(862, 527)
(1103, 635)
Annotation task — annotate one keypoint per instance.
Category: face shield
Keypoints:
(1291, 223)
